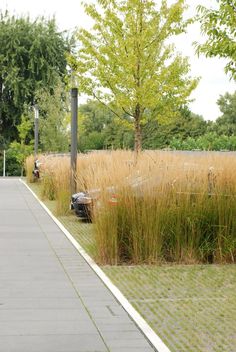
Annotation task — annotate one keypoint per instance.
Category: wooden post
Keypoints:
(74, 127)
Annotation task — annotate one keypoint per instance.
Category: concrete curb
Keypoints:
(154, 339)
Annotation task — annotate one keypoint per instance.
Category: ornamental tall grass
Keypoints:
(29, 167)
(170, 207)
(55, 181)
(167, 207)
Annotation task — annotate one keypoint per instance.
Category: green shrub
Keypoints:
(209, 141)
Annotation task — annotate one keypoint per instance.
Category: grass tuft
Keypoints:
(167, 207)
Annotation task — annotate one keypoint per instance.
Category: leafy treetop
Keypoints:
(126, 63)
(219, 24)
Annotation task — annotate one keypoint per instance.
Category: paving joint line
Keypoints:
(154, 340)
(67, 274)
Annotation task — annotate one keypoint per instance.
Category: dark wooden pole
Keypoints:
(74, 127)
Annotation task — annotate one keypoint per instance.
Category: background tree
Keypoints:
(99, 128)
(95, 116)
(119, 133)
(32, 56)
(219, 25)
(93, 119)
(187, 124)
(53, 107)
(23, 147)
(126, 63)
(226, 123)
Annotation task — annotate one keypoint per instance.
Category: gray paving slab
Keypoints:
(78, 314)
(57, 303)
(50, 299)
(52, 343)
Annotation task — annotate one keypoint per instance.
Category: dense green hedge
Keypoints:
(13, 168)
(209, 141)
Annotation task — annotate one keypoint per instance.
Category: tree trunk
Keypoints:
(137, 133)
(137, 114)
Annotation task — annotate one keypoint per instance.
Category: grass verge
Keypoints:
(192, 308)
(81, 231)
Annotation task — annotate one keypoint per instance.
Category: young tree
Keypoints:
(219, 25)
(126, 63)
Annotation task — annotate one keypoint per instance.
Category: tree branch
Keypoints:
(113, 90)
(128, 113)
(107, 106)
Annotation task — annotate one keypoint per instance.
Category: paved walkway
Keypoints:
(50, 299)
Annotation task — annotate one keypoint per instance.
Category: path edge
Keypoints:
(149, 333)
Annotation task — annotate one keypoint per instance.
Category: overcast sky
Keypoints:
(214, 82)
